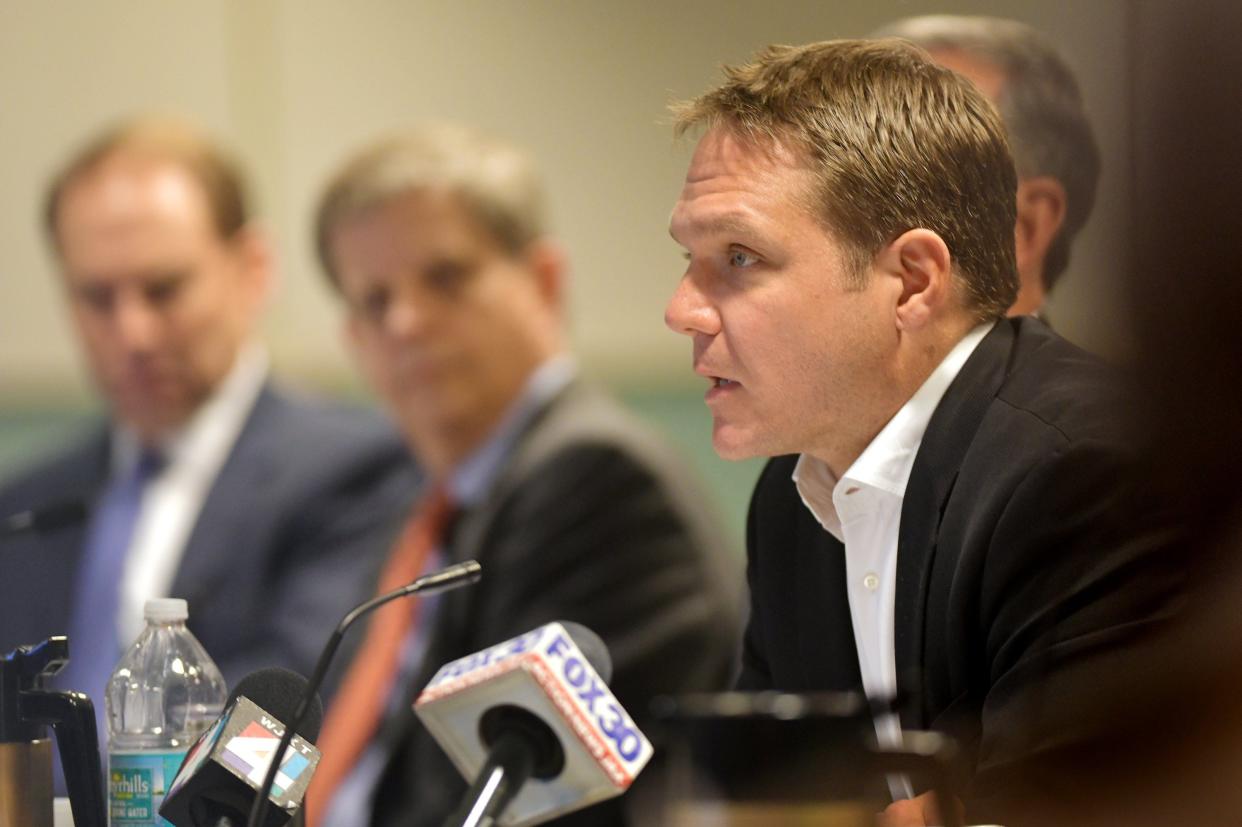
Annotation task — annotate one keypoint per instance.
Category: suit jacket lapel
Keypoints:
(453, 631)
(468, 538)
(825, 629)
(949, 434)
(229, 502)
(67, 545)
(530, 447)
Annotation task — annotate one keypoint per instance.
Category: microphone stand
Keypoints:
(60, 514)
(509, 766)
(462, 574)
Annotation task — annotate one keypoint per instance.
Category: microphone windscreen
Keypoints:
(278, 691)
(591, 647)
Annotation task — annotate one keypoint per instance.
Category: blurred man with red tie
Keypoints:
(454, 299)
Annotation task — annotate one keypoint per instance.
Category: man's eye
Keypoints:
(741, 258)
(97, 298)
(374, 305)
(163, 292)
(447, 277)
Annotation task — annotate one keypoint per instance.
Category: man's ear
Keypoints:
(1041, 212)
(256, 264)
(351, 333)
(920, 262)
(547, 260)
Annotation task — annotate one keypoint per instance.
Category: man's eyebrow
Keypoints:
(166, 275)
(724, 224)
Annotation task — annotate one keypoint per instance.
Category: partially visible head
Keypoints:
(436, 241)
(1050, 135)
(848, 215)
(165, 277)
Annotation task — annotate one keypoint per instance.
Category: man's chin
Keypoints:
(148, 431)
(734, 446)
(152, 417)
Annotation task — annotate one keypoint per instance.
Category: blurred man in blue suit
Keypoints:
(268, 512)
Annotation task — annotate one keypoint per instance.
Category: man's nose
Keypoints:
(137, 323)
(406, 318)
(689, 311)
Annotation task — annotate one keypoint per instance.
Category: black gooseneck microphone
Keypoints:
(461, 574)
(41, 518)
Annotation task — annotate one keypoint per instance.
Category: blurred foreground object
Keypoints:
(26, 711)
(741, 759)
(1169, 750)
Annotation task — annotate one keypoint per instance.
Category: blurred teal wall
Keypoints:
(684, 418)
(27, 433)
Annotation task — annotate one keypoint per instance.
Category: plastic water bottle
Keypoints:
(165, 691)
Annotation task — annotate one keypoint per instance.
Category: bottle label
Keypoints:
(137, 782)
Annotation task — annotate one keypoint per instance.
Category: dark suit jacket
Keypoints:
(289, 538)
(1014, 580)
(590, 521)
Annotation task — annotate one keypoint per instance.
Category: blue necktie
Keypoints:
(93, 646)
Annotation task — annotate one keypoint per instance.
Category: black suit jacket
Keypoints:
(592, 521)
(289, 538)
(1014, 579)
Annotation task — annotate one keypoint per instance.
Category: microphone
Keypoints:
(533, 722)
(455, 576)
(40, 519)
(222, 772)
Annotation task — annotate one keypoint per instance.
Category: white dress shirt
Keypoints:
(863, 510)
(173, 499)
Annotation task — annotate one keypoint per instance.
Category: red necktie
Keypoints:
(359, 706)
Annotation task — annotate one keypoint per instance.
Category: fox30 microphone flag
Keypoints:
(545, 673)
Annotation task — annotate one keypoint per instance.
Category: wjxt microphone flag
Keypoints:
(223, 771)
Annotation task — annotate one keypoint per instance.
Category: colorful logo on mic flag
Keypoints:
(250, 753)
(238, 749)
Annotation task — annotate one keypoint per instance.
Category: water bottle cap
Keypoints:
(166, 609)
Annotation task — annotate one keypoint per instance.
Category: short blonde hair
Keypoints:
(893, 142)
(496, 182)
(164, 139)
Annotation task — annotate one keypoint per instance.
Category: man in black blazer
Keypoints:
(437, 244)
(268, 511)
(939, 515)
